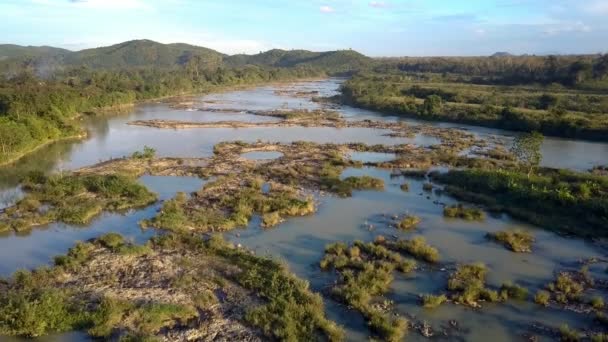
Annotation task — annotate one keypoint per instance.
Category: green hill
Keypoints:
(15, 51)
(147, 53)
(139, 53)
(342, 60)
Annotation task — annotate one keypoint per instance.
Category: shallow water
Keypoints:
(41, 244)
(300, 241)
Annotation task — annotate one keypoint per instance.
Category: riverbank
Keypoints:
(42, 112)
(502, 108)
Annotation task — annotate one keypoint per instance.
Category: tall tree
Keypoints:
(526, 148)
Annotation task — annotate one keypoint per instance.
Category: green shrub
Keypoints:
(514, 291)
(38, 311)
(568, 335)
(408, 222)
(542, 297)
(597, 302)
(431, 301)
(418, 248)
(517, 240)
(147, 153)
(388, 328)
(459, 211)
(111, 240)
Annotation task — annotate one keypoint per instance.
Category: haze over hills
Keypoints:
(147, 53)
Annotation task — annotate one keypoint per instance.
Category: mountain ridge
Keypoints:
(148, 53)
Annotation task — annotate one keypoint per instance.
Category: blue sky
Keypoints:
(376, 28)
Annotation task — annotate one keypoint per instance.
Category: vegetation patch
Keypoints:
(409, 222)
(462, 212)
(366, 272)
(518, 241)
(559, 200)
(168, 293)
(73, 199)
(431, 301)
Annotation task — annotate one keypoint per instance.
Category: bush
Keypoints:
(431, 301)
(459, 211)
(542, 297)
(418, 248)
(597, 302)
(409, 222)
(147, 153)
(514, 291)
(38, 312)
(568, 335)
(517, 240)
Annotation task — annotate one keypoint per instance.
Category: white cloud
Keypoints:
(564, 27)
(222, 43)
(377, 4)
(597, 7)
(96, 4)
(326, 9)
(111, 4)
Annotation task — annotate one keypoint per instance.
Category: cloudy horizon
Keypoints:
(375, 28)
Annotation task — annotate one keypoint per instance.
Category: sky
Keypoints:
(376, 28)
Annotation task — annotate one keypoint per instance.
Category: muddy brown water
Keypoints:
(300, 241)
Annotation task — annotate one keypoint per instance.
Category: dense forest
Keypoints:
(560, 96)
(584, 72)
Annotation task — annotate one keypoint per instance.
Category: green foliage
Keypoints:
(517, 240)
(74, 199)
(418, 248)
(514, 291)
(562, 200)
(542, 297)
(456, 98)
(431, 301)
(568, 334)
(409, 222)
(35, 112)
(468, 285)
(597, 303)
(38, 312)
(526, 148)
(365, 271)
(147, 153)
(462, 212)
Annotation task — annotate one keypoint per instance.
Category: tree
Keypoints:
(526, 148)
(432, 105)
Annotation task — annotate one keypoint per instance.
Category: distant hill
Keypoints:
(336, 60)
(17, 51)
(147, 53)
(502, 54)
(139, 53)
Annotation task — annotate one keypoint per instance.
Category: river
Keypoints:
(300, 241)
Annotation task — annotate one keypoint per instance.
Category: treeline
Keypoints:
(34, 111)
(512, 108)
(589, 71)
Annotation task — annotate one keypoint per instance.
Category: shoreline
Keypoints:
(15, 159)
(108, 109)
